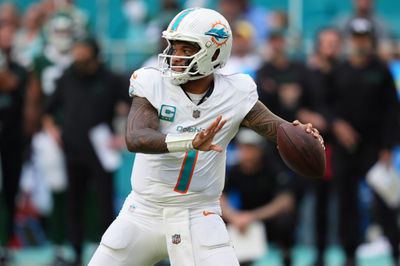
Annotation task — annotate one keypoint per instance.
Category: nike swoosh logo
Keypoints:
(207, 213)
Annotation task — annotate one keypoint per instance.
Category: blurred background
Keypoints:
(65, 171)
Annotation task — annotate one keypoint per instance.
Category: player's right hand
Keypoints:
(203, 140)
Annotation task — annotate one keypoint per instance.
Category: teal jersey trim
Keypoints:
(186, 173)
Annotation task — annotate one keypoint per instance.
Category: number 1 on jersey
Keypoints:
(187, 169)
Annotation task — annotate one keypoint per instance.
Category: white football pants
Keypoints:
(142, 236)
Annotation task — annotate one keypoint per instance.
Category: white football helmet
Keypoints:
(204, 27)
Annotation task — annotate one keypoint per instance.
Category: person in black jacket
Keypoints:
(321, 65)
(265, 193)
(363, 109)
(12, 93)
(284, 86)
(88, 93)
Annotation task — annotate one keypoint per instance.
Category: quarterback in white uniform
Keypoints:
(179, 170)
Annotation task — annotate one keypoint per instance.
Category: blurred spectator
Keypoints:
(365, 9)
(363, 106)
(9, 13)
(258, 17)
(88, 92)
(47, 154)
(321, 64)
(48, 67)
(48, 8)
(12, 93)
(387, 51)
(243, 59)
(278, 21)
(283, 85)
(264, 192)
(231, 10)
(327, 51)
(80, 18)
(29, 40)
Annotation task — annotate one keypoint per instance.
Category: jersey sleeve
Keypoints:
(249, 94)
(142, 83)
(136, 84)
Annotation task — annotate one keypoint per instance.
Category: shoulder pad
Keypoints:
(142, 80)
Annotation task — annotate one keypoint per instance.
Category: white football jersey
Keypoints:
(195, 178)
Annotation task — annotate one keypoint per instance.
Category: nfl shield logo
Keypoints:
(196, 113)
(176, 239)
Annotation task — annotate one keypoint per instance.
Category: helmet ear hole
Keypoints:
(215, 56)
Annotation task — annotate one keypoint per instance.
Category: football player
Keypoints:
(182, 118)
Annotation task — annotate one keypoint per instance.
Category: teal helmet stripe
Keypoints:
(179, 19)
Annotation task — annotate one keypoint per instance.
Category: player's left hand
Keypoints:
(203, 140)
(310, 130)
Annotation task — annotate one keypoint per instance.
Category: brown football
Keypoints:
(300, 151)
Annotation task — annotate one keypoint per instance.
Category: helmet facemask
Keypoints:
(190, 69)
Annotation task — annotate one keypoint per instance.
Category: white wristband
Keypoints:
(180, 142)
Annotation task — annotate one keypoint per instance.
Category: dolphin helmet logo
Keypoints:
(219, 33)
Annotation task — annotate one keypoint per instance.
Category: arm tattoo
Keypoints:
(263, 121)
(142, 133)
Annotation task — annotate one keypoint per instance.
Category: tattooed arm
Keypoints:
(263, 121)
(142, 133)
